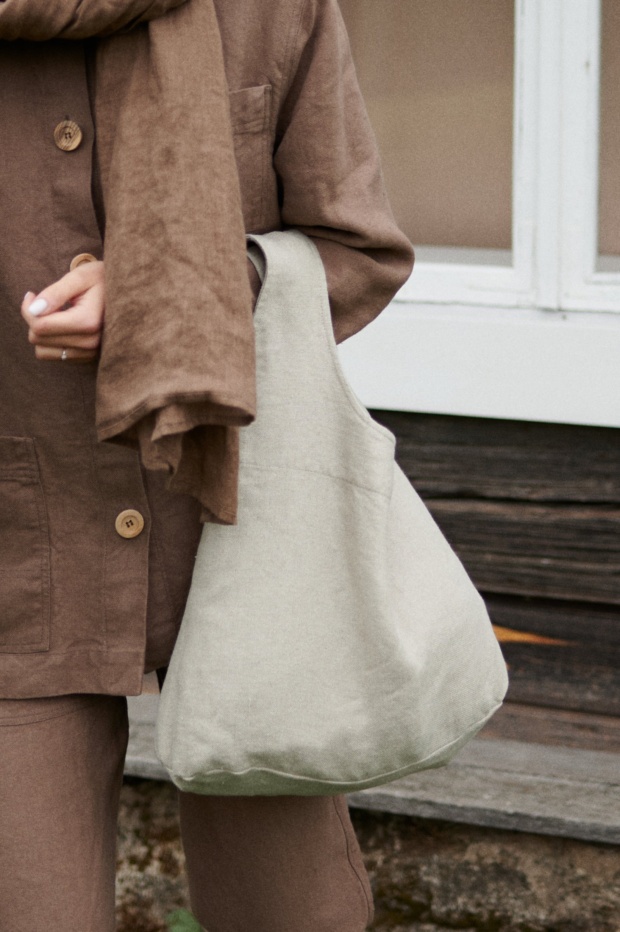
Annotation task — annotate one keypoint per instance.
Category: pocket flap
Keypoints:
(18, 459)
(250, 109)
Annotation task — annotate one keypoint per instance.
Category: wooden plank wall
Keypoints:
(533, 510)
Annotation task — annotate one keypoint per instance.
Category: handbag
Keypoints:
(332, 640)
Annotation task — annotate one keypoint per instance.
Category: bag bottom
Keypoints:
(262, 781)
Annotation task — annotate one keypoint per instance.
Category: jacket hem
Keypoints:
(99, 672)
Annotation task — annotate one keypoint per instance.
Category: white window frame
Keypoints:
(534, 335)
(584, 286)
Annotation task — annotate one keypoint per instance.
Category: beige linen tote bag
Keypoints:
(332, 640)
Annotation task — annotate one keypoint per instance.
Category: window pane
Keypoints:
(609, 172)
(438, 81)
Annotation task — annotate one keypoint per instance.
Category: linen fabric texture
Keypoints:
(300, 165)
(332, 639)
(176, 279)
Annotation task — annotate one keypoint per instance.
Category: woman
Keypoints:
(96, 550)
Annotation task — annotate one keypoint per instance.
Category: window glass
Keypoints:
(438, 82)
(609, 152)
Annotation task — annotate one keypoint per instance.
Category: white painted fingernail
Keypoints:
(37, 307)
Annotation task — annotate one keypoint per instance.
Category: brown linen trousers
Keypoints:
(86, 603)
(261, 864)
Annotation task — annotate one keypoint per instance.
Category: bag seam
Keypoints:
(318, 472)
(341, 786)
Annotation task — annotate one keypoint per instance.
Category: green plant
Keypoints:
(182, 921)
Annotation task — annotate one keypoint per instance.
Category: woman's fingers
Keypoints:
(70, 286)
(77, 330)
(85, 318)
(75, 340)
(72, 355)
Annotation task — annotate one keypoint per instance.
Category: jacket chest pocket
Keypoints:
(24, 551)
(250, 113)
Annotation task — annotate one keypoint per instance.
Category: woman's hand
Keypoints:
(73, 334)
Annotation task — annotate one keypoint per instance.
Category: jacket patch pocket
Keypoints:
(250, 113)
(24, 551)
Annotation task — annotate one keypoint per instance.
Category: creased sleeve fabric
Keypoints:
(330, 176)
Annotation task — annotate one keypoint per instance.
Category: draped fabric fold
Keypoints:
(177, 368)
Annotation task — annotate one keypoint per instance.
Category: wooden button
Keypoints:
(81, 259)
(129, 523)
(67, 135)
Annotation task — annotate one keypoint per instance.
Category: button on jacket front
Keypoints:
(67, 135)
(95, 555)
(129, 524)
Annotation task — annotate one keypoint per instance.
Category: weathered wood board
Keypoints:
(560, 654)
(558, 727)
(464, 457)
(558, 551)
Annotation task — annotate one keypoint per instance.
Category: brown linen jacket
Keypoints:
(84, 606)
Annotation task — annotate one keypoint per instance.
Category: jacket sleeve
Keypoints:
(330, 177)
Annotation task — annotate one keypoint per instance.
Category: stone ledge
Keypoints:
(515, 785)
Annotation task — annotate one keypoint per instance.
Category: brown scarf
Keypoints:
(177, 368)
